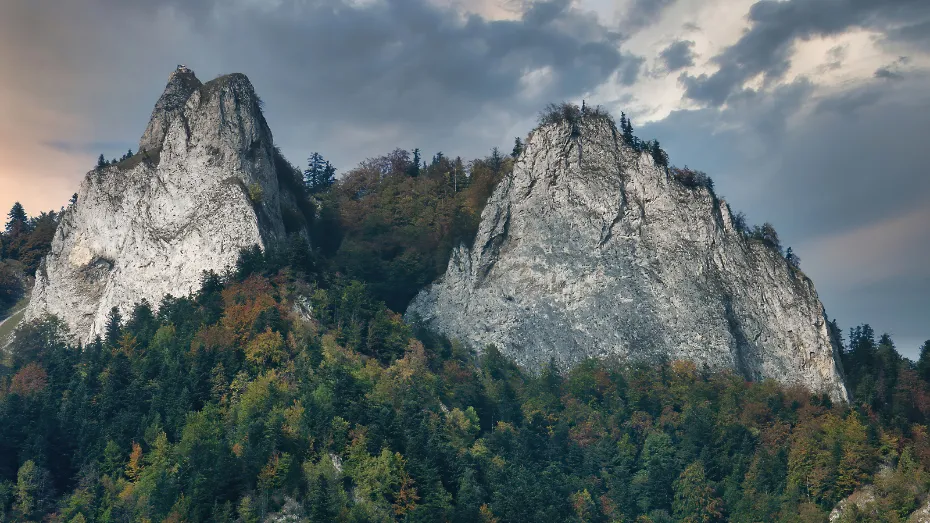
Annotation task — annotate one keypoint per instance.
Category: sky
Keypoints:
(813, 115)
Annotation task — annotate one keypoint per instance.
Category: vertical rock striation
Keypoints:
(590, 250)
(203, 186)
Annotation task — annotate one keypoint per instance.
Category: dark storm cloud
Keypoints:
(915, 33)
(678, 55)
(401, 60)
(766, 46)
(385, 73)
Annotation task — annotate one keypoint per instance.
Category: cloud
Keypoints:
(840, 173)
(643, 13)
(886, 73)
(766, 47)
(347, 78)
(835, 58)
(892, 71)
(678, 55)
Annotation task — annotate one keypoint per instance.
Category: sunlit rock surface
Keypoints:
(591, 250)
(152, 224)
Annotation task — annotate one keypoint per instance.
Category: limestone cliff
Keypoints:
(590, 250)
(203, 185)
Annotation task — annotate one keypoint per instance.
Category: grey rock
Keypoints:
(590, 250)
(151, 225)
(861, 501)
(181, 85)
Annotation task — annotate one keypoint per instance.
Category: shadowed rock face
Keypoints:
(590, 250)
(151, 225)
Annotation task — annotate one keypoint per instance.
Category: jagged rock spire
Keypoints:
(181, 85)
(149, 226)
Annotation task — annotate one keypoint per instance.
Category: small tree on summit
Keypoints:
(792, 258)
(659, 156)
(101, 162)
(626, 127)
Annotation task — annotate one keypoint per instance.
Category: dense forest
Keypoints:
(290, 389)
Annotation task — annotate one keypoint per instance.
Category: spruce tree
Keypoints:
(497, 160)
(414, 169)
(923, 364)
(114, 327)
(101, 161)
(627, 129)
(17, 219)
(320, 174)
(658, 155)
(517, 147)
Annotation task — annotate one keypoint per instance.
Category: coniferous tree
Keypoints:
(101, 162)
(923, 363)
(114, 327)
(792, 258)
(414, 169)
(627, 130)
(658, 155)
(497, 160)
(320, 174)
(17, 219)
(517, 147)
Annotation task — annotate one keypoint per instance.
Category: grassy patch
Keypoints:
(9, 325)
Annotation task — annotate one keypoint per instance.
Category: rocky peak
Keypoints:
(589, 249)
(182, 83)
(206, 182)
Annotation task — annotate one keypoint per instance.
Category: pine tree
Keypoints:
(658, 155)
(627, 130)
(17, 219)
(101, 162)
(114, 327)
(414, 169)
(320, 174)
(923, 364)
(792, 258)
(497, 160)
(517, 147)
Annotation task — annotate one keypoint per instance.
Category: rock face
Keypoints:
(590, 250)
(203, 186)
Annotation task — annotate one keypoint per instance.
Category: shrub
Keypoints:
(691, 178)
(256, 193)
